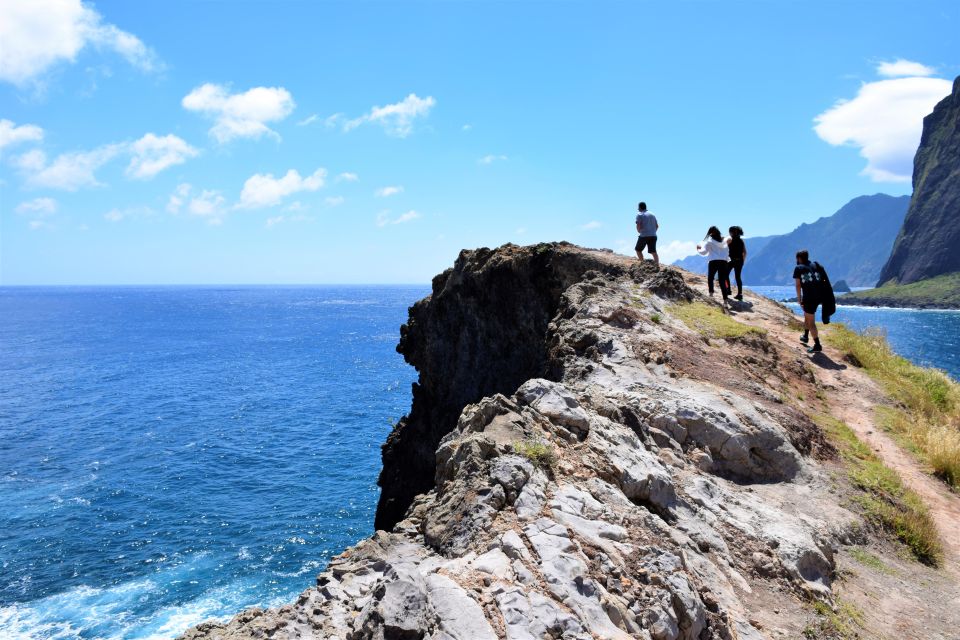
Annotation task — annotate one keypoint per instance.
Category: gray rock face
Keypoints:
(926, 244)
(654, 507)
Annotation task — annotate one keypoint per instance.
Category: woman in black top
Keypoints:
(738, 254)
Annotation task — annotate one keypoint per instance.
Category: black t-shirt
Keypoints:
(810, 280)
(736, 249)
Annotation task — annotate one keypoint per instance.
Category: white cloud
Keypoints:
(675, 250)
(332, 121)
(38, 207)
(240, 115)
(884, 121)
(334, 201)
(397, 119)
(491, 158)
(275, 220)
(593, 224)
(116, 215)
(209, 205)
(900, 68)
(10, 134)
(383, 218)
(36, 225)
(263, 190)
(466, 127)
(386, 192)
(177, 198)
(308, 120)
(152, 154)
(68, 171)
(347, 177)
(38, 34)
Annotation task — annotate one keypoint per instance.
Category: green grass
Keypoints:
(883, 497)
(540, 453)
(711, 322)
(941, 291)
(841, 624)
(928, 415)
(867, 559)
(656, 318)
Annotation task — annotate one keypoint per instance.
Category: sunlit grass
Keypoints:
(884, 498)
(929, 411)
(711, 322)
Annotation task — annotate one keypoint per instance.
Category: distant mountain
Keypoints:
(927, 244)
(852, 244)
(698, 264)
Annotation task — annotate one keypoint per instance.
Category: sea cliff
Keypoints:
(596, 450)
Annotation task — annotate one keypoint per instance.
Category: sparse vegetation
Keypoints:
(867, 559)
(540, 453)
(656, 318)
(929, 412)
(711, 322)
(884, 498)
(841, 624)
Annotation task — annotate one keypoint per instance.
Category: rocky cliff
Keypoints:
(582, 460)
(927, 244)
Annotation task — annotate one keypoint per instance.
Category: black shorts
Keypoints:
(810, 306)
(650, 242)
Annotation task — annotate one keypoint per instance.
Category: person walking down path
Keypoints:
(647, 226)
(738, 255)
(813, 290)
(715, 249)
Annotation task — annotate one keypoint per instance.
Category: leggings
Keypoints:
(720, 269)
(737, 267)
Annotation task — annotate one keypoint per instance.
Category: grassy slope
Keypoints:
(940, 292)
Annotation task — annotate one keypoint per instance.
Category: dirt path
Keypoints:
(853, 396)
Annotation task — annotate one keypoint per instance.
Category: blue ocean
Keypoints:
(170, 455)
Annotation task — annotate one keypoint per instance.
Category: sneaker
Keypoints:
(804, 338)
(816, 348)
(739, 297)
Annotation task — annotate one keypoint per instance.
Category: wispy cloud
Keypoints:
(152, 154)
(593, 224)
(10, 134)
(396, 119)
(491, 158)
(334, 201)
(347, 177)
(68, 171)
(384, 218)
(38, 207)
(38, 34)
(386, 192)
(208, 204)
(240, 115)
(308, 120)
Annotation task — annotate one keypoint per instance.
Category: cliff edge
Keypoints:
(927, 242)
(595, 450)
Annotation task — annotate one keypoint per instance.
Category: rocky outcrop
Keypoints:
(585, 487)
(927, 244)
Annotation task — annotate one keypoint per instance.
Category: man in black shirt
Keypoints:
(809, 296)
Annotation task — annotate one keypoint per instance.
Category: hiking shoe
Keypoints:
(816, 348)
(804, 338)
(739, 297)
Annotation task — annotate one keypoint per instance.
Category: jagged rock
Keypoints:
(659, 501)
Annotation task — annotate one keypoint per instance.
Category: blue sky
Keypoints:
(301, 142)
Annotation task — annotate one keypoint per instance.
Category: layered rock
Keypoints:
(927, 244)
(591, 490)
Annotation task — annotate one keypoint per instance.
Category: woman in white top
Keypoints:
(717, 252)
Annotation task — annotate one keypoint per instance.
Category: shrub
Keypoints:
(540, 453)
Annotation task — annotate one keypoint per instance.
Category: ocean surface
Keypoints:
(170, 455)
(930, 337)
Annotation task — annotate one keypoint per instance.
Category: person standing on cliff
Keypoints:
(738, 254)
(647, 226)
(811, 281)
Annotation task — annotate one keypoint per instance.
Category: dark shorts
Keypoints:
(810, 306)
(650, 242)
